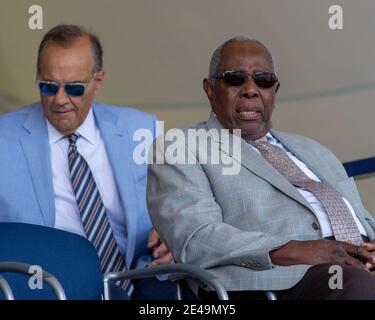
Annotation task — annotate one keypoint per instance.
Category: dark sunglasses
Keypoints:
(236, 78)
(73, 89)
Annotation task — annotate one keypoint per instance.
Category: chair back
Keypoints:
(72, 259)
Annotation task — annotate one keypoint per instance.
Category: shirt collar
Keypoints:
(87, 130)
(270, 137)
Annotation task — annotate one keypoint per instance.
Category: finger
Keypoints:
(166, 259)
(153, 239)
(370, 246)
(160, 251)
(369, 266)
(349, 260)
(361, 252)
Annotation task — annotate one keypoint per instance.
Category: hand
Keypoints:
(323, 251)
(370, 246)
(160, 252)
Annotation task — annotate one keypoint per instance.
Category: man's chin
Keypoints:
(255, 133)
(65, 128)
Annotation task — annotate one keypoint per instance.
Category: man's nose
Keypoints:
(249, 88)
(61, 97)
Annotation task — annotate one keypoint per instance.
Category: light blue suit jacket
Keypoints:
(26, 187)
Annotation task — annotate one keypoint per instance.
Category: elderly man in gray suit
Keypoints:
(289, 220)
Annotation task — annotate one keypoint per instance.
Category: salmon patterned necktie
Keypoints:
(343, 224)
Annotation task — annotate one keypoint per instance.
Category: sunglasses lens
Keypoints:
(264, 79)
(235, 78)
(75, 90)
(48, 89)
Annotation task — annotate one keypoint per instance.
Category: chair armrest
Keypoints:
(179, 269)
(6, 289)
(23, 268)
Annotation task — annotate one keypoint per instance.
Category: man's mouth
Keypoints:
(63, 113)
(249, 113)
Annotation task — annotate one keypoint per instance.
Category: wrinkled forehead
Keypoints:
(244, 54)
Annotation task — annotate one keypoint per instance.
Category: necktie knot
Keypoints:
(72, 143)
(73, 139)
(259, 141)
(262, 144)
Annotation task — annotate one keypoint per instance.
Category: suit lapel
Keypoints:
(253, 161)
(116, 140)
(36, 149)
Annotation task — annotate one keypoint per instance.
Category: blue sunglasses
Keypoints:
(72, 89)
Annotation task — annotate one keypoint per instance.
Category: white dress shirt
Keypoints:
(315, 203)
(91, 147)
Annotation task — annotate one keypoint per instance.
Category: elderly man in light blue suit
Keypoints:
(258, 228)
(35, 173)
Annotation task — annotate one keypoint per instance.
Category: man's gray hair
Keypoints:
(216, 56)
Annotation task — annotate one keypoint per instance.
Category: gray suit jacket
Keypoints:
(228, 224)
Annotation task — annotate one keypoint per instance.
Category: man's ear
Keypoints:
(208, 88)
(100, 75)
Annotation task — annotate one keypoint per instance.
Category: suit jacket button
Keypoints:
(315, 226)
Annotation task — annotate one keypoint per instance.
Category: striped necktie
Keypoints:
(343, 224)
(93, 214)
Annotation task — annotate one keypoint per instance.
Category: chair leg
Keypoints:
(179, 291)
(270, 295)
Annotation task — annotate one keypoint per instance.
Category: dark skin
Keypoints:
(324, 251)
(249, 108)
(246, 107)
(369, 246)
